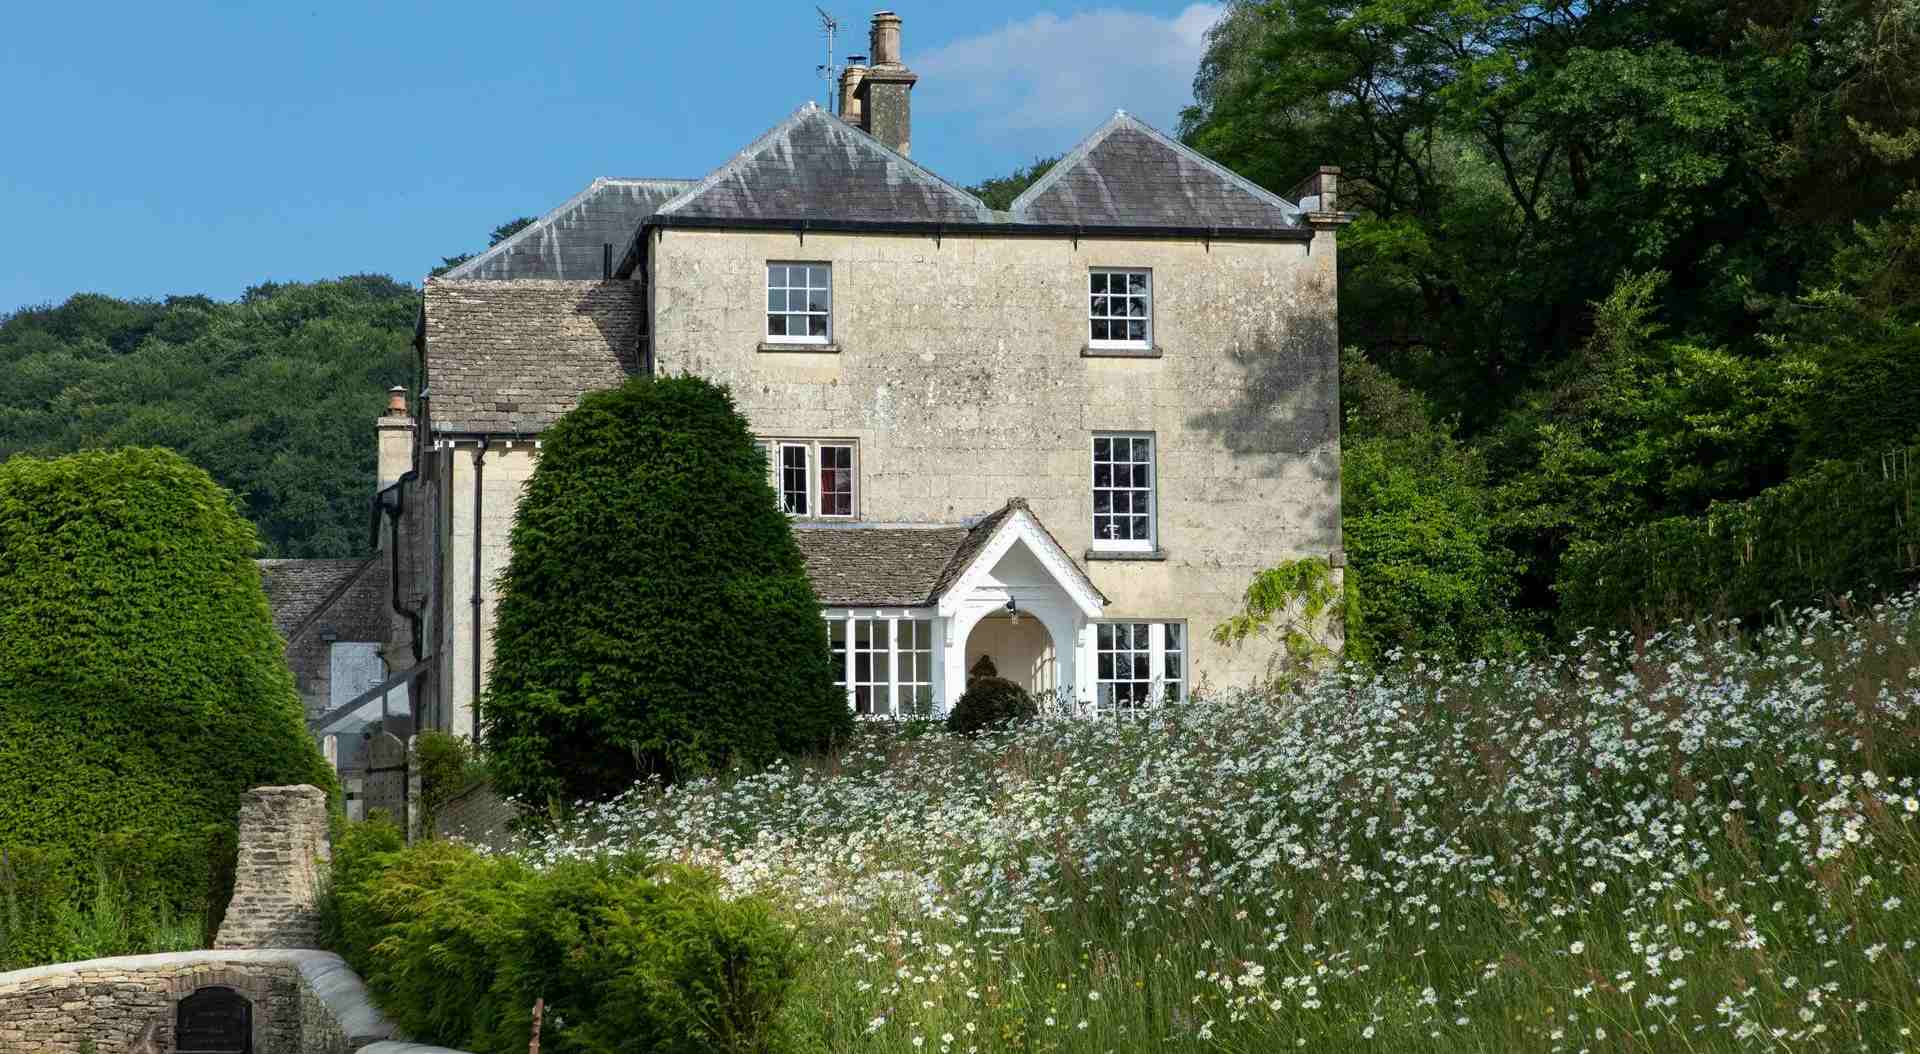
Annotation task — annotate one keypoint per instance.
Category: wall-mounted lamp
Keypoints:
(1013, 613)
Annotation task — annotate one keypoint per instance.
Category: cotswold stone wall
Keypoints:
(476, 815)
(304, 1002)
(276, 886)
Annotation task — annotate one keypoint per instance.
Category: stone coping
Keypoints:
(325, 974)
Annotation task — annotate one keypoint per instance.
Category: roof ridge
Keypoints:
(806, 111)
(1123, 119)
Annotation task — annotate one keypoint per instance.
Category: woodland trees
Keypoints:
(1625, 259)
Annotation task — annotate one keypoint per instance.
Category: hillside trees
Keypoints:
(273, 394)
(142, 684)
(1644, 257)
(656, 618)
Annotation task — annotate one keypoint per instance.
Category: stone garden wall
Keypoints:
(476, 815)
(304, 1002)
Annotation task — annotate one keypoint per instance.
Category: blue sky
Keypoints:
(158, 148)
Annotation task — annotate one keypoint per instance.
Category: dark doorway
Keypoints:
(214, 1021)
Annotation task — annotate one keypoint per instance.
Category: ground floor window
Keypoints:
(1138, 664)
(883, 662)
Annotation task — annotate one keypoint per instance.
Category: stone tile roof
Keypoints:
(568, 242)
(887, 565)
(1128, 174)
(297, 589)
(511, 357)
(860, 565)
(815, 166)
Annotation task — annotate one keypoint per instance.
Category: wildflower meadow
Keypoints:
(1697, 839)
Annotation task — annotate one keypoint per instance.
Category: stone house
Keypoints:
(1064, 436)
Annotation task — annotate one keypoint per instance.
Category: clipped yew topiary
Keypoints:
(656, 617)
(142, 685)
(990, 701)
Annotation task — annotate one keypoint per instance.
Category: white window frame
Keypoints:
(776, 447)
(808, 472)
(1157, 653)
(1151, 542)
(893, 697)
(1122, 342)
(786, 288)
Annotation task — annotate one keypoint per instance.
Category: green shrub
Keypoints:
(456, 946)
(988, 702)
(1839, 527)
(656, 616)
(143, 688)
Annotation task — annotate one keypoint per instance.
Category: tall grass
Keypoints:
(42, 922)
(1691, 840)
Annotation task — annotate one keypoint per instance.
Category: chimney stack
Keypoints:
(882, 94)
(393, 434)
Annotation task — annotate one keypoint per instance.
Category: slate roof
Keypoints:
(855, 565)
(296, 589)
(1128, 174)
(815, 166)
(567, 242)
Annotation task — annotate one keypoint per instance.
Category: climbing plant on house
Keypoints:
(656, 617)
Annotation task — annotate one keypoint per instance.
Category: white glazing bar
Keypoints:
(893, 667)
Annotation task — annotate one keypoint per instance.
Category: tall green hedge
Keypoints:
(142, 685)
(456, 946)
(656, 615)
(1838, 527)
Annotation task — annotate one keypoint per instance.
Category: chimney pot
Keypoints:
(852, 101)
(396, 401)
(884, 38)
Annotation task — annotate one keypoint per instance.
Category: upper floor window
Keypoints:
(1123, 491)
(799, 303)
(813, 477)
(1120, 310)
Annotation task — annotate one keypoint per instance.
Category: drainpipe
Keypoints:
(479, 476)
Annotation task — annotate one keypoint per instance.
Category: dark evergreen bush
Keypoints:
(656, 616)
(455, 946)
(142, 685)
(990, 701)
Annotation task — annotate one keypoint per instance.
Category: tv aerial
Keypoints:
(827, 71)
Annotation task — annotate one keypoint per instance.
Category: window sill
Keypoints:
(1126, 554)
(800, 346)
(1094, 351)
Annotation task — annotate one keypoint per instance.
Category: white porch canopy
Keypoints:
(943, 597)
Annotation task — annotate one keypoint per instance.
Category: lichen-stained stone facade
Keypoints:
(276, 885)
(304, 1002)
(960, 371)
